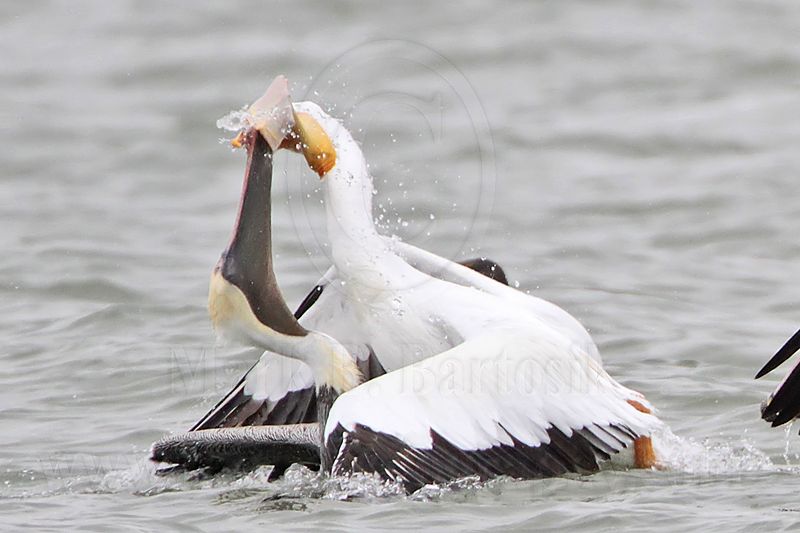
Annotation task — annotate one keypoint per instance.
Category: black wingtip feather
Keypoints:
(365, 450)
(217, 415)
(310, 299)
(787, 350)
(785, 402)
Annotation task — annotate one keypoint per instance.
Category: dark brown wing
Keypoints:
(238, 408)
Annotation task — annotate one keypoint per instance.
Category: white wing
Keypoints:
(497, 404)
(331, 314)
(549, 313)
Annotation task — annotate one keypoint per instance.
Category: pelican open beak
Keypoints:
(272, 115)
(244, 300)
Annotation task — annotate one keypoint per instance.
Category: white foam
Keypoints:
(235, 121)
(300, 482)
(708, 457)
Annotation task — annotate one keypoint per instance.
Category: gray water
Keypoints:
(634, 162)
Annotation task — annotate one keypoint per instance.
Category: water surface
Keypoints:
(635, 163)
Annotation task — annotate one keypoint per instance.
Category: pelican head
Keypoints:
(244, 301)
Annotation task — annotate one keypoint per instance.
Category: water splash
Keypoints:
(677, 454)
(235, 121)
(460, 489)
(787, 455)
(242, 119)
(692, 457)
(300, 482)
(140, 478)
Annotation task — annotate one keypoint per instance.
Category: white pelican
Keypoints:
(482, 379)
(783, 405)
(518, 383)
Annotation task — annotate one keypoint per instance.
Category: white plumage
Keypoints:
(515, 368)
(275, 376)
(489, 389)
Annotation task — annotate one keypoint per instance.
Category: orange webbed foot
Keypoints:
(643, 454)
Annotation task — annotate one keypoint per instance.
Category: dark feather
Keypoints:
(225, 408)
(786, 351)
(784, 404)
(240, 409)
(308, 301)
(365, 450)
(487, 267)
